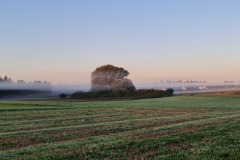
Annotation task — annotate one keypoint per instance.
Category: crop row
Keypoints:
(143, 142)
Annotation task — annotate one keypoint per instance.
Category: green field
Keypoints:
(180, 127)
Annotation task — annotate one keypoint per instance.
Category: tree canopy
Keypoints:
(108, 77)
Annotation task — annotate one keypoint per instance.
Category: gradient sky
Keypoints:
(64, 41)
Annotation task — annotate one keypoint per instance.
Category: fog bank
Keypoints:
(191, 87)
(40, 91)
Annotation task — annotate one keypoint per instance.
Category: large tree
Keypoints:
(109, 77)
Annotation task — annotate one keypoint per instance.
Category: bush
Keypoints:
(170, 91)
(124, 93)
(63, 95)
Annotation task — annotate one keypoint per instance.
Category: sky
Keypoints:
(64, 41)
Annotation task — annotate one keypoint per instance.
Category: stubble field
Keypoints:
(180, 127)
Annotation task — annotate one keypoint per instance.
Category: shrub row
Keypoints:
(124, 93)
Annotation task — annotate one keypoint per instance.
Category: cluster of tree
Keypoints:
(41, 82)
(9, 80)
(124, 93)
(21, 81)
(109, 77)
(35, 82)
(5, 79)
(109, 81)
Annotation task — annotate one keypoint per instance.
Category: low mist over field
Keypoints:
(193, 87)
(52, 91)
(25, 86)
(178, 87)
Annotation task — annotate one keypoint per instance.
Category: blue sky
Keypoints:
(64, 41)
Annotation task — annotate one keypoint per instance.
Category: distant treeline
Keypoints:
(21, 89)
(124, 93)
(9, 80)
(22, 93)
(5, 79)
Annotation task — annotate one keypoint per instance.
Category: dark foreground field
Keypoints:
(181, 127)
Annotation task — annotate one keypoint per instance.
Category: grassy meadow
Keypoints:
(179, 127)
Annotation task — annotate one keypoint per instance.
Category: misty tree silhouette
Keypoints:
(109, 77)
